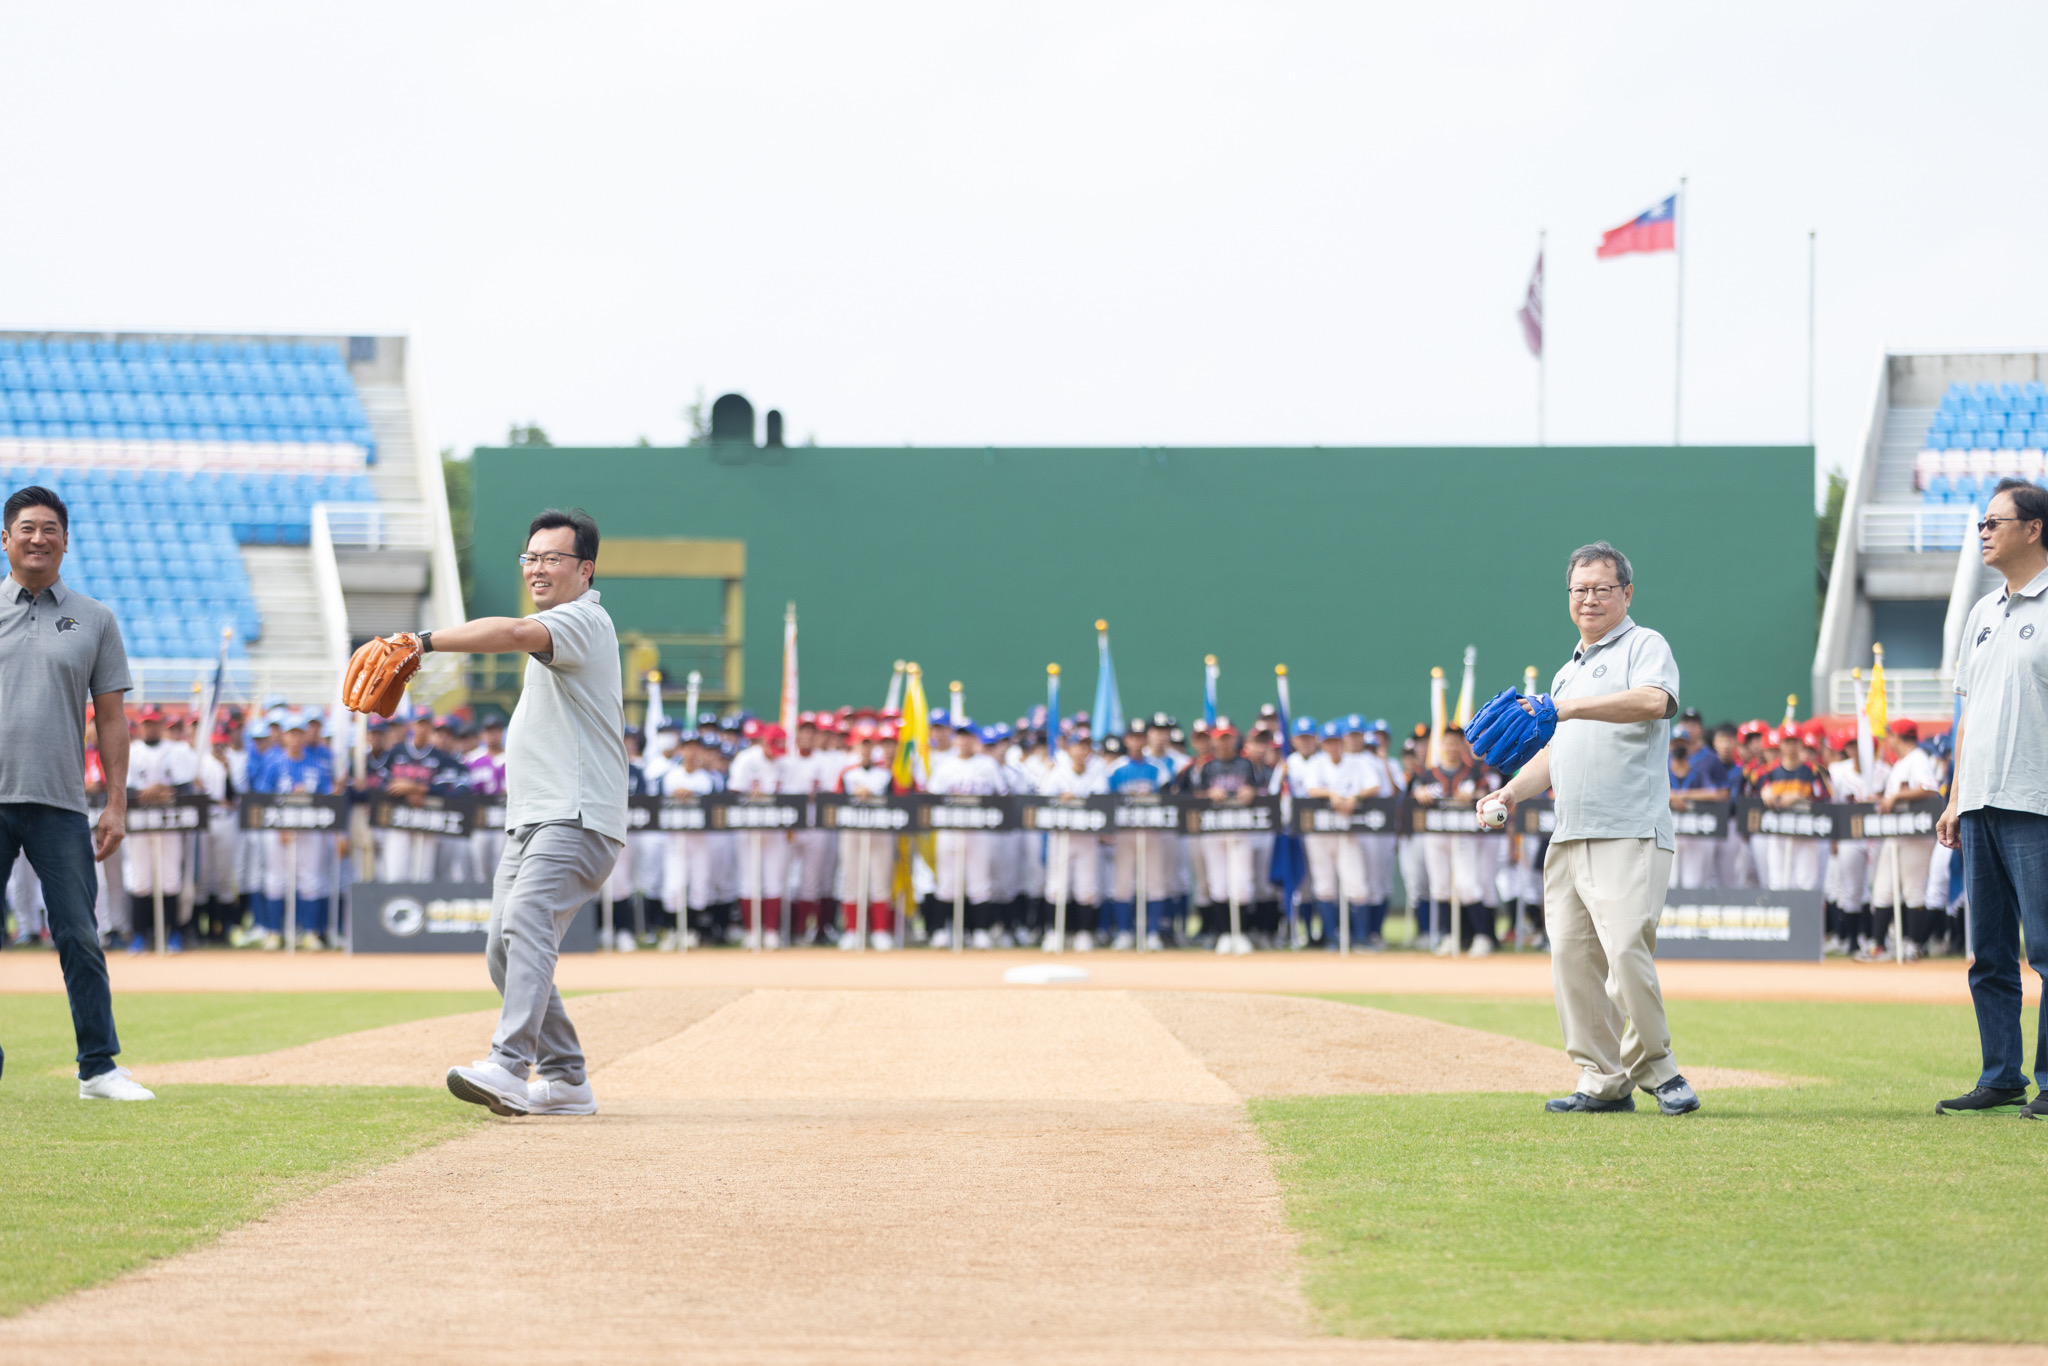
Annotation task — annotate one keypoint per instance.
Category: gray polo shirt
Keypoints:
(565, 750)
(2003, 670)
(58, 651)
(1614, 781)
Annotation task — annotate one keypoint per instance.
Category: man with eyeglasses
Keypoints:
(1998, 797)
(565, 813)
(1610, 856)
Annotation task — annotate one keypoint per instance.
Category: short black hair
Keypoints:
(1728, 729)
(35, 496)
(2029, 499)
(577, 520)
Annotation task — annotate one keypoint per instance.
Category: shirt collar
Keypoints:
(2032, 590)
(1627, 624)
(18, 593)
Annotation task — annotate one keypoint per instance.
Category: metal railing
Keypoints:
(1907, 692)
(1894, 530)
(380, 526)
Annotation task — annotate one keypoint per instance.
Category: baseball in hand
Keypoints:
(1493, 815)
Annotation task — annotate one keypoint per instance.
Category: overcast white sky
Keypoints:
(1005, 224)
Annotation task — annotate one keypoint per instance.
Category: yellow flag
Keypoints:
(1436, 718)
(1875, 708)
(912, 767)
(1463, 715)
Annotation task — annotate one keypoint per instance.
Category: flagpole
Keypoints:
(1678, 351)
(1543, 347)
(1810, 296)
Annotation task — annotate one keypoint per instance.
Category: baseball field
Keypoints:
(812, 1157)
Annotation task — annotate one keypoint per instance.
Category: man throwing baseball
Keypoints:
(1599, 739)
(565, 813)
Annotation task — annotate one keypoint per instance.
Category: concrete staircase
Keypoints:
(291, 650)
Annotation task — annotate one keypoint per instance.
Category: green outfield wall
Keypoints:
(1357, 568)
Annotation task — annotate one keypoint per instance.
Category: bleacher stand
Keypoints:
(1982, 433)
(171, 455)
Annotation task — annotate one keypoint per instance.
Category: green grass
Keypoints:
(93, 1189)
(1843, 1208)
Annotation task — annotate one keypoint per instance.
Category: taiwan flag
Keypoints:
(1651, 230)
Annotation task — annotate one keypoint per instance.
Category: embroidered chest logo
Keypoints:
(2027, 631)
(1983, 635)
(1599, 671)
(66, 624)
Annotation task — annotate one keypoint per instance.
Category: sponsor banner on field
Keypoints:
(439, 917)
(960, 811)
(1741, 922)
(888, 815)
(182, 813)
(314, 811)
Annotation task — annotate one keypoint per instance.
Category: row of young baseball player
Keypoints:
(1866, 884)
(814, 885)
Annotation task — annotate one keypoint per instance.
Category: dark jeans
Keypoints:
(59, 847)
(2005, 870)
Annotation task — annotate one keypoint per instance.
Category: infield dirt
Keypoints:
(845, 1176)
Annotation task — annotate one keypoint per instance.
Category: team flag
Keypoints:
(1290, 855)
(1654, 229)
(1109, 708)
(789, 711)
(1052, 707)
(655, 716)
(1791, 721)
(1875, 708)
(913, 734)
(1531, 311)
(1279, 782)
(894, 701)
(1465, 686)
(1209, 675)
(694, 684)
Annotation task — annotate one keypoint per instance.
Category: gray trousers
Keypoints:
(545, 875)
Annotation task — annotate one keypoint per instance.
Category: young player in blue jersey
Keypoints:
(1139, 775)
(292, 767)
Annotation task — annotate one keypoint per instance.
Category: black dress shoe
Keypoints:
(1578, 1102)
(1984, 1100)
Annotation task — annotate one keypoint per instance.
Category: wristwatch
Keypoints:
(426, 642)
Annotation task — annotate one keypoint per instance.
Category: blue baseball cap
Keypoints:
(1354, 724)
(1333, 730)
(938, 717)
(1305, 725)
(1379, 726)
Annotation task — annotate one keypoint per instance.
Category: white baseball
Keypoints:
(1494, 816)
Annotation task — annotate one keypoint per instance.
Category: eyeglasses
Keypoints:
(1599, 592)
(551, 559)
(1990, 522)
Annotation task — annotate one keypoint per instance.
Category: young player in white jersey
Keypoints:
(763, 855)
(159, 768)
(805, 772)
(1336, 861)
(1847, 880)
(688, 872)
(869, 776)
(1073, 864)
(966, 859)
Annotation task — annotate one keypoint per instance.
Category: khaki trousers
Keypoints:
(1601, 903)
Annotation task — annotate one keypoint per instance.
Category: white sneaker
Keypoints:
(310, 943)
(981, 939)
(547, 1097)
(488, 1084)
(942, 938)
(272, 941)
(623, 942)
(849, 941)
(665, 942)
(1482, 946)
(1003, 939)
(1084, 942)
(1123, 942)
(1444, 947)
(1154, 944)
(119, 1084)
(771, 939)
(881, 941)
(1243, 945)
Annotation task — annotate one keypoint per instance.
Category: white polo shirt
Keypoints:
(2003, 672)
(565, 749)
(1614, 781)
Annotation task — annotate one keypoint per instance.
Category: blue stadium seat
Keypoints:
(1936, 492)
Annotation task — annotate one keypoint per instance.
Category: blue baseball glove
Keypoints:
(1508, 737)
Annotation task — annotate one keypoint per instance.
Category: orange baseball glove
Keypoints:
(378, 672)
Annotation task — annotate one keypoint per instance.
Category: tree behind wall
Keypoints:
(458, 476)
(1827, 528)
